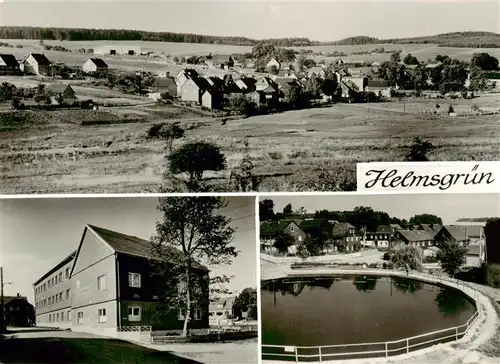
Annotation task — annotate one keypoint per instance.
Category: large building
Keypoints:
(18, 312)
(118, 50)
(110, 288)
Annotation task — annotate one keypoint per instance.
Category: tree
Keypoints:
(407, 257)
(451, 109)
(171, 133)
(410, 60)
(266, 210)
(451, 257)
(194, 159)
(301, 211)
(396, 57)
(283, 241)
(7, 91)
(313, 86)
(243, 105)
(484, 61)
(243, 177)
(191, 232)
(246, 302)
(419, 150)
(425, 219)
(365, 283)
(288, 209)
(314, 244)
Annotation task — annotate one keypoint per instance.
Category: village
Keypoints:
(269, 79)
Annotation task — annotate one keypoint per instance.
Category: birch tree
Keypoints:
(192, 235)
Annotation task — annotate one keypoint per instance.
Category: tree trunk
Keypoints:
(188, 305)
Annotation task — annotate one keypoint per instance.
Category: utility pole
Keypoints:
(2, 312)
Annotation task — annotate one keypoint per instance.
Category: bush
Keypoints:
(275, 155)
(387, 256)
(419, 150)
(154, 131)
(451, 109)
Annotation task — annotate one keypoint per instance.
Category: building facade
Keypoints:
(18, 312)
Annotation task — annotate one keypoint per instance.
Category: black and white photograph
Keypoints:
(402, 279)
(129, 280)
(167, 96)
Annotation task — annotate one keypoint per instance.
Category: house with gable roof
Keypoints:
(95, 66)
(9, 65)
(345, 238)
(36, 64)
(269, 230)
(418, 238)
(462, 234)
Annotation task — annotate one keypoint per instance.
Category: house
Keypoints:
(95, 66)
(285, 86)
(432, 229)
(113, 287)
(339, 61)
(247, 84)
(266, 92)
(9, 65)
(492, 236)
(163, 85)
(212, 98)
(375, 64)
(36, 64)
(220, 61)
(18, 312)
(379, 87)
(60, 93)
(269, 230)
(318, 71)
(419, 238)
(193, 89)
(349, 90)
(52, 292)
(462, 234)
(431, 252)
(381, 238)
(431, 66)
(220, 312)
(182, 78)
(289, 66)
(273, 63)
(345, 238)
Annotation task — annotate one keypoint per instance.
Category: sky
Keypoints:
(321, 21)
(449, 207)
(36, 234)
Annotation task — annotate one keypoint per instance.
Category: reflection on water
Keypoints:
(329, 311)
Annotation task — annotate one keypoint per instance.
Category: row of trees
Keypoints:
(75, 34)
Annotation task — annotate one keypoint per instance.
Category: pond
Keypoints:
(340, 310)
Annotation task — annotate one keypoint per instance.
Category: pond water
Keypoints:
(357, 309)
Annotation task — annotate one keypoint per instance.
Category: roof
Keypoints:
(341, 228)
(202, 83)
(384, 229)
(396, 226)
(459, 232)
(132, 245)
(312, 224)
(7, 299)
(10, 60)
(59, 265)
(222, 58)
(222, 303)
(377, 83)
(99, 62)
(165, 83)
(57, 87)
(432, 229)
(415, 235)
(40, 58)
(433, 65)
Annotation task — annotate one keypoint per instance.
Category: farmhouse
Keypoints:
(462, 234)
(118, 50)
(18, 311)
(381, 238)
(345, 238)
(60, 93)
(212, 98)
(270, 230)
(9, 65)
(193, 89)
(183, 76)
(419, 238)
(36, 64)
(220, 61)
(109, 288)
(379, 87)
(163, 86)
(95, 65)
(273, 63)
(221, 311)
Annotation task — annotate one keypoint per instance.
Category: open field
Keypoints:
(57, 156)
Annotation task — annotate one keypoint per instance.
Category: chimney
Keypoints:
(18, 295)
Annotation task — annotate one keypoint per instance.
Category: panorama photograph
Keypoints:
(156, 96)
(402, 279)
(128, 280)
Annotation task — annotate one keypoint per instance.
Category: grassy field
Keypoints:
(98, 351)
(301, 150)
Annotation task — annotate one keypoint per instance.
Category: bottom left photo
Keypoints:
(128, 280)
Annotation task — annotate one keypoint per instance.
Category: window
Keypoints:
(50, 318)
(67, 273)
(101, 283)
(134, 313)
(60, 296)
(68, 316)
(181, 314)
(60, 277)
(134, 280)
(62, 316)
(102, 315)
(79, 317)
(57, 298)
(197, 314)
(57, 317)
(68, 295)
(52, 281)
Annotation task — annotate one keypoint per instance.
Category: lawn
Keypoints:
(98, 351)
(298, 150)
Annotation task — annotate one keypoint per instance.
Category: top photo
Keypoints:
(159, 96)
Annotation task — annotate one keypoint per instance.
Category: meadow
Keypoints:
(297, 150)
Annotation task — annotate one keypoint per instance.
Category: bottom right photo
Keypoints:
(368, 278)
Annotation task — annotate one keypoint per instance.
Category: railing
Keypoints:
(378, 349)
(367, 350)
(134, 329)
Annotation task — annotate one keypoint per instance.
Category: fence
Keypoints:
(141, 334)
(205, 335)
(380, 349)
